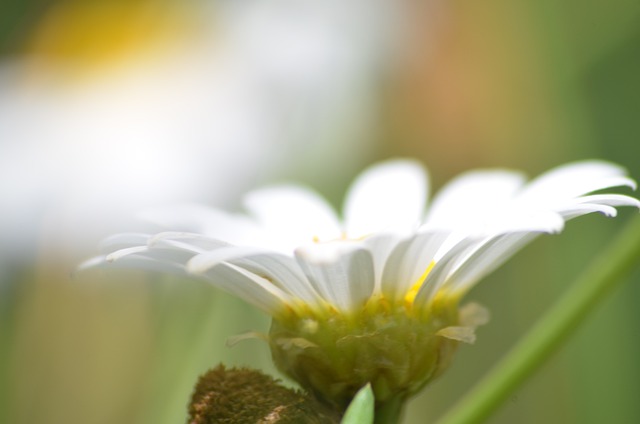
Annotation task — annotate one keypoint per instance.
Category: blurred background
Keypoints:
(108, 107)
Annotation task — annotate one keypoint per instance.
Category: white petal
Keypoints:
(148, 256)
(444, 267)
(408, 262)
(239, 282)
(122, 241)
(513, 220)
(341, 272)
(573, 180)
(281, 270)
(386, 197)
(573, 211)
(160, 247)
(611, 200)
(118, 254)
(195, 243)
(96, 261)
(169, 254)
(602, 203)
(492, 253)
(522, 219)
(207, 260)
(297, 215)
(248, 287)
(472, 199)
(496, 250)
(381, 246)
(141, 257)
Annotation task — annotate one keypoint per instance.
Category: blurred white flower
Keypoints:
(372, 298)
(86, 139)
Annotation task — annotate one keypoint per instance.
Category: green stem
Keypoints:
(548, 334)
(390, 411)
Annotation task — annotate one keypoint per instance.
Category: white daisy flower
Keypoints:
(372, 297)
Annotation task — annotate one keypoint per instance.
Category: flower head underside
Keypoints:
(372, 297)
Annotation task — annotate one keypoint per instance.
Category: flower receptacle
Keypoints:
(395, 351)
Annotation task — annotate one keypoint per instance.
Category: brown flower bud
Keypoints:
(232, 396)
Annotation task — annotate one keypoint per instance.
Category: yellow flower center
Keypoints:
(93, 37)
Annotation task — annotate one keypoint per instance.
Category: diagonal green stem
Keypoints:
(548, 334)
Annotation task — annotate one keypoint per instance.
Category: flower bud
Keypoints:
(249, 396)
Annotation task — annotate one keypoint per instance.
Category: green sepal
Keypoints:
(360, 410)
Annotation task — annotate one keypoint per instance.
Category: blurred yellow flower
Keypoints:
(95, 36)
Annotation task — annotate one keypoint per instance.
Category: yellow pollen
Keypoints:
(410, 297)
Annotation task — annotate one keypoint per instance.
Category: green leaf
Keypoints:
(360, 411)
